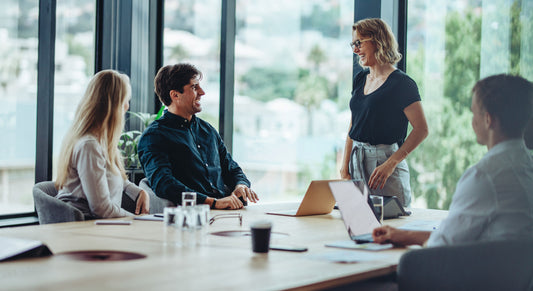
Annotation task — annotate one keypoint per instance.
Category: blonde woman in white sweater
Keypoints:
(91, 174)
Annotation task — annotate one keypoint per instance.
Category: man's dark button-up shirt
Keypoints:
(178, 155)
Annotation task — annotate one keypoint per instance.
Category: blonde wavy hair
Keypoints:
(381, 35)
(99, 113)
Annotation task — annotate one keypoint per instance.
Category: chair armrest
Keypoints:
(157, 204)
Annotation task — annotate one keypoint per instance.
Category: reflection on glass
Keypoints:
(293, 77)
(451, 45)
(18, 96)
(192, 34)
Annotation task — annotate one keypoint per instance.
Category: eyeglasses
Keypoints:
(357, 44)
(226, 215)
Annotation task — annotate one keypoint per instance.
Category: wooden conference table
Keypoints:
(222, 263)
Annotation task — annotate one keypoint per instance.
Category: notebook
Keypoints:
(358, 217)
(317, 200)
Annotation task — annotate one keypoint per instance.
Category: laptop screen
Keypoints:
(357, 215)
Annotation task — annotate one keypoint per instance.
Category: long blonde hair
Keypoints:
(381, 35)
(99, 113)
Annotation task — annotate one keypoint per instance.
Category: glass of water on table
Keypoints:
(377, 201)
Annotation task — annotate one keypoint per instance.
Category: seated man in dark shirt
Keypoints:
(181, 152)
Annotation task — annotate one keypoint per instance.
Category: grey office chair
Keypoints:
(497, 265)
(50, 209)
(157, 204)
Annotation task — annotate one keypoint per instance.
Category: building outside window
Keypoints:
(192, 34)
(293, 78)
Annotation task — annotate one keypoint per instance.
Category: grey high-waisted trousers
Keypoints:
(366, 157)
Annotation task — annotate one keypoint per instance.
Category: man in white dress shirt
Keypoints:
(494, 198)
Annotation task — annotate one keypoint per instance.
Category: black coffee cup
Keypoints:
(261, 236)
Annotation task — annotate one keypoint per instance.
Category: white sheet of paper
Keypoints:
(421, 225)
(355, 211)
(150, 217)
(348, 256)
(350, 244)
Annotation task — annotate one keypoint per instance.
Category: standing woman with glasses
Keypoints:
(384, 100)
(91, 174)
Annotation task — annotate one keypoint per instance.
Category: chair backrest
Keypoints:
(497, 265)
(157, 204)
(50, 209)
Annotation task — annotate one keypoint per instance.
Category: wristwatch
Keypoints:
(214, 203)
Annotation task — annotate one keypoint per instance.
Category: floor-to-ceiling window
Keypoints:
(18, 95)
(293, 77)
(452, 44)
(74, 62)
(192, 34)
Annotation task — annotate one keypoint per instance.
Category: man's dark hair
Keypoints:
(173, 77)
(507, 98)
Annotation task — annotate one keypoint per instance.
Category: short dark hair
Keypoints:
(507, 98)
(173, 77)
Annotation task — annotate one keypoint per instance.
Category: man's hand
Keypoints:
(246, 193)
(399, 237)
(143, 203)
(384, 234)
(230, 202)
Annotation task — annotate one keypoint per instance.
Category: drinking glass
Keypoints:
(188, 198)
(171, 218)
(202, 223)
(377, 201)
(189, 227)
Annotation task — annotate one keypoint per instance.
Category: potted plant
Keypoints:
(130, 139)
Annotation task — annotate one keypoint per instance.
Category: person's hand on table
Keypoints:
(384, 234)
(246, 193)
(230, 202)
(387, 234)
(143, 203)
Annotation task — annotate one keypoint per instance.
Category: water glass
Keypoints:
(188, 198)
(202, 223)
(189, 226)
(186, 226)
(377, 201)
(172, 216)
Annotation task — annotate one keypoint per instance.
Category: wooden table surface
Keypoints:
(222, 263)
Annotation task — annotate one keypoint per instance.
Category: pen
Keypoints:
(112, 222)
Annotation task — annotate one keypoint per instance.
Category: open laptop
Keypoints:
(358, 217)
(317, 200)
